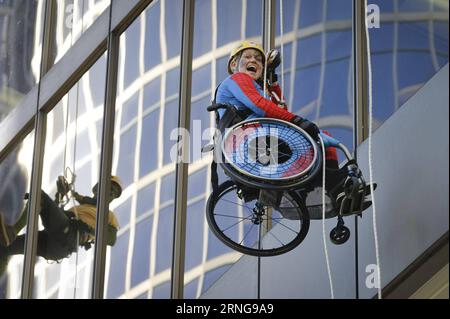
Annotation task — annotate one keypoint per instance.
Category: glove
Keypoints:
(273, 61)
(306, 125)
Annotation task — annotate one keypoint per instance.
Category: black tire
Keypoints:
(292, 221)
(339, 235)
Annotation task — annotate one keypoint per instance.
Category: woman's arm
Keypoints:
(243, 89)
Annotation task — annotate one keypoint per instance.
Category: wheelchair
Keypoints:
(273, 167)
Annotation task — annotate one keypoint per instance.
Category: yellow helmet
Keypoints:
(115, 181)
(243, 46)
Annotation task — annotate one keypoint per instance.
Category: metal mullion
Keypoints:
(104, 183)
(40, 126)
(269, 20)
(179, 238)
(360, 111)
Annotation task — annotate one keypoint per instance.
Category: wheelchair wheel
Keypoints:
(267, 153)
(254, 229)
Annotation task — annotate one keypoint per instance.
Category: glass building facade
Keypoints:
(407, 48)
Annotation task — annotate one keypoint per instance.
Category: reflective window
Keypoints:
(21, 23)
(126, 146)
(311, 12)
(118, 266)
(73, 18)
(145, 200)
(402, 42)
(309, 51)
(339, 10)
(152, 94)
(68, 203)
(288, 16)
(201, 80)
(190, 290)
(173, 20)
(152, 56)
(167, 188)
(253, 26)
(194, 234)
(149, 144)
(338, 45)
(203, 43)
(228, 25)
(123, 213)
(140, 268)
(161, 291)
(170, 131)
(306, 91)
(131, 57)
(197, 182)
(15, 173)
(165, 239)
(130, 110)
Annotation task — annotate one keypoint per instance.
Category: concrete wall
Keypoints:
(410, 162)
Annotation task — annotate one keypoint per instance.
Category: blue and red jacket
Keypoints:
(244, 93)
(241, 91)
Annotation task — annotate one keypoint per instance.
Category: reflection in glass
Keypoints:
(74, 17)
(67, 214)
(21, 24)
(15, 174)
(406, 52)
(146, 113)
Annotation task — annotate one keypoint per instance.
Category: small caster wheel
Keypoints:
(339, 235)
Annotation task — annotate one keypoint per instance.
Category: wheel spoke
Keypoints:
(286, 226)
(248, 232)
(224, 230)
(224, 215)
(231, 202)
(269, 232)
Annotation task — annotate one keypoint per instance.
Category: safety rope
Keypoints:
(282, 49)
(324, 237)
(73, 163)
(265, 78)
(65, 167)
(374, 225)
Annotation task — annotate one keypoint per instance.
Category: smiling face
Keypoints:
(250, 62)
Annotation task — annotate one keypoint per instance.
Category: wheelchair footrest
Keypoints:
(357, 204)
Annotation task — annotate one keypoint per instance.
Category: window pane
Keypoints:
(141, 252)
(147, 112)
(15, 173)
(21, 23)
(228, 21)
(73, 18)
(406, 52)
(74, 153)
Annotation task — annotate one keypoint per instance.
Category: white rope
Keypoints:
(282, 49)
(75, 155)
(375, 232)
(324, 237)
(265, 78)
